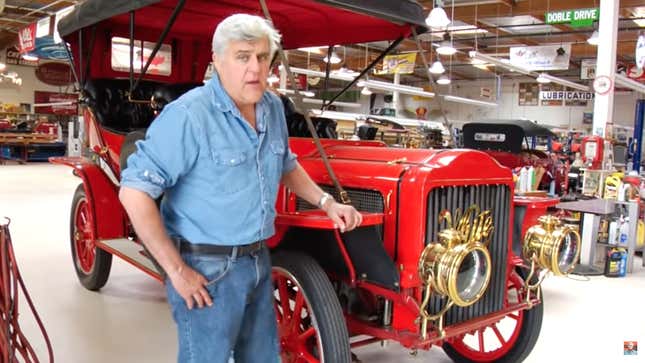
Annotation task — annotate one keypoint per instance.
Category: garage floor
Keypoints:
(128, 321)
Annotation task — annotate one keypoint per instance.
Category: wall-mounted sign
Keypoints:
(54, 73)
(576, 17)
(566, 95)
(485, 92)
(61, 103)
(12, 56)
(27, 38)
(542, 58)
(588, 69)
(528, 94)
(398, 63)
(640, 51)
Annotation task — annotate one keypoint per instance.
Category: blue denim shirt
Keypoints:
(219, 177)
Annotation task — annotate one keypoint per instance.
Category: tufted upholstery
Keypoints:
(166, 93)
(108, 99)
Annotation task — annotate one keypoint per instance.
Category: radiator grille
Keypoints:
(497, 199)
(363, 200)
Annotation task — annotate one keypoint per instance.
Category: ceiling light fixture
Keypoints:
(593, 39)
(564, 82)
(446, 48)
(443, 80)
(366, 91)
(437, 19)
(318, 101)
(498, 62)
(437, 68)
(469, 101)
(333, 59)
(542, 79)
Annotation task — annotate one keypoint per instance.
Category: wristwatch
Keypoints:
(323, 199)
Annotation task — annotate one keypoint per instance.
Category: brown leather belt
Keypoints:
(206, 249)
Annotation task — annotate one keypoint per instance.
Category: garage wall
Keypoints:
(10, 93)
(561, 116)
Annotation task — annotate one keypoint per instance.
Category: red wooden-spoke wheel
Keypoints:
(510, 339)
(83, 237)
(91, 263)
(310, 321)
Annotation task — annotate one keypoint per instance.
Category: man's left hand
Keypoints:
(345, 216)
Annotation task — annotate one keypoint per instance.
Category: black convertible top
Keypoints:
(501, 135)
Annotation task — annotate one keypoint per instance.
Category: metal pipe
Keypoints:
(387, 313)
(163, 35)
(638, 133)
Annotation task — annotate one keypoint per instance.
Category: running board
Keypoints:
(131, 252)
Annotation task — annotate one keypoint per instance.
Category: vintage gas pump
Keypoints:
(597, 153)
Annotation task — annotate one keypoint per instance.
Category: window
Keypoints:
(120, 60)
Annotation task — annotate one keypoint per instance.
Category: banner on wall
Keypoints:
(398, 63)
(542, 57)
(62, 103)
(12, 56)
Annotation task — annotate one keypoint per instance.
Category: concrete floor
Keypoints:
(128, 321)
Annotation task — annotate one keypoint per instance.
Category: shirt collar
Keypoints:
(224, 102)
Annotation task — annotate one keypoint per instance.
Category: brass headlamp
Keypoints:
(459, 265)
(552, 246)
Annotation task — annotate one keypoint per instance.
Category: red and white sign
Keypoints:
(27, 38)
(57, 103)
(54, 73)
(635, 73)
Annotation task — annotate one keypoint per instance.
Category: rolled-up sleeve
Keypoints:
(169, 150)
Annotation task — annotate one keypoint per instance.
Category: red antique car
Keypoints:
(446, 255)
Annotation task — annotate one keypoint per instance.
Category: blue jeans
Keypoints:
(241, 323)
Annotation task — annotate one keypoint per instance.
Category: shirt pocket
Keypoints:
(233, 169)
(276, 161)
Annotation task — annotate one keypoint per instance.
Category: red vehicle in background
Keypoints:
(511, 143)
(446, 255)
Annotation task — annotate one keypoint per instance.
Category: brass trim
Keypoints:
(439, 262)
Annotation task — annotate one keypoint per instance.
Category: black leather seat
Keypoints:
(297, 124)
(166, 93)
(161, 96)
(108, 98)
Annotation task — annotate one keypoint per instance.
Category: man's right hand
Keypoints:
(190, 285)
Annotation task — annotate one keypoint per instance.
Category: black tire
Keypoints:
(526, 340)
(92, 273)
(332, 339)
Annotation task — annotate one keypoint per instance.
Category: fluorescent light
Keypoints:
(593, 39)
(437, 18)
(318, 101)
(29, 57)
(469, 101)
(446, 48)
(437, 68)
(362, 117)
(334, 59)
(498, 62)
(443, 80)
(366, 91)
(386, 86)
(465, 29)
(564, 82)
(333, 75)
(630, 83)
(542, 79)
(292, 92)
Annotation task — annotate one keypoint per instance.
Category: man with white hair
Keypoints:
(218, 154)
